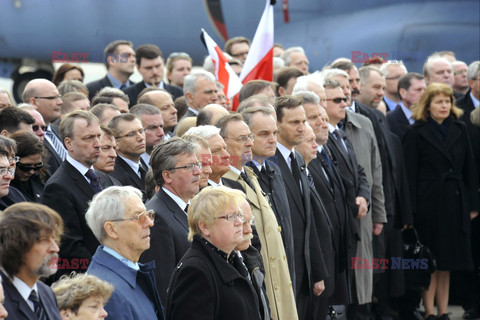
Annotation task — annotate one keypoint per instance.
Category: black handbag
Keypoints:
(417, 254)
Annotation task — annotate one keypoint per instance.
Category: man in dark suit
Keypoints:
(310, 270)
(410, 88)
(263, 126)
(129, 133)
(176, 171)
(470, 281)
(120, 61)
(75, 182)
(200, 89)
(28, 250)
(150, 64)
(44, 96)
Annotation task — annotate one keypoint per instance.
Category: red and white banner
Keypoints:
(223, 71)
(259, 62)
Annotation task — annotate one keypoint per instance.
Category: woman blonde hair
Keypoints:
(420, 111)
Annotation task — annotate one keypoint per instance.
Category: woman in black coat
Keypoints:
(442, 178)
(210, 281)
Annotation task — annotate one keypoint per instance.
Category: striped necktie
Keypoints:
(38, 307)
(56, 144)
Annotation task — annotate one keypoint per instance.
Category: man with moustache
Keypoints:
(239, 139)
(176, 171)
(153, 124)
(129, 133)
(150, 65)
(310, 270)
(74, 184)
(30, 234)
(220, 160)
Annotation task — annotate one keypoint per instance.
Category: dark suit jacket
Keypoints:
(68, 192)
(18, 308)
(53, 159)
(32, 189)
(127, 177)
(398, 122)
(308, 253)
(168, 239)
(14, 196)
(274, 187)
(95, 86)
(134, 90)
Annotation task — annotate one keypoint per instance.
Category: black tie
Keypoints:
(246, 179)
(94, 181)
(295, 171)
(310, 180)
(143, 171)
(327, 158)
(39, 310)
(186, 208)
(340, 136)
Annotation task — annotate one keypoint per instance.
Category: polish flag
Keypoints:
(223, 71)
(259, 62)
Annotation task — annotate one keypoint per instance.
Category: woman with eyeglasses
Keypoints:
(8, 193)
(30, 173)
(210, 281)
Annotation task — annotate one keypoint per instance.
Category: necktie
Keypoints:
(143, 171)
(295, 170)
(327, 158)
(123, 86)
(310, 180)
(247, 180)
(57, 145)
(340, 136)
(186, 208)
(38, 308)
(94, 181)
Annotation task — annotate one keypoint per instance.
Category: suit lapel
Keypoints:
(249, 192)
(18, 303)
(133, 176)
(177, 212)
(290, 182)
(80, 181)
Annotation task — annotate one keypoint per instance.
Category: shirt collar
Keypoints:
(146, 158)
(236, 170)
(332, 128)
(220, 252)
(117, 84)
(24, 289)
(475, 101)
(407, 113)
(390, 103)
(193, 110)
(134, 165)
(79, 166)
(179, 201)
(160, 86)
(124, 260)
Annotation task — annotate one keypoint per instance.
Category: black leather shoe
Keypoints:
(432, 317)
(444, 316)
(411, 315)
(471, 314)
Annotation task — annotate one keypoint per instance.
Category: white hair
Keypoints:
(384, 66)
(289, 51)
(205, 132)
(303, 81)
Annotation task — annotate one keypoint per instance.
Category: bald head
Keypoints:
(163, 101)
(44, 96)
(210, 114)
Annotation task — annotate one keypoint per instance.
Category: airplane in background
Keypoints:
(32, 31)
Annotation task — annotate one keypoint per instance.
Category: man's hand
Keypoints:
(473, 214)
(377, 228)
(361, 202)
(318, 288)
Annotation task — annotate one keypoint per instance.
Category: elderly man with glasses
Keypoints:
(121, 223)
(176, 171)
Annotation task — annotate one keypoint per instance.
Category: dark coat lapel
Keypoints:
(177, 212)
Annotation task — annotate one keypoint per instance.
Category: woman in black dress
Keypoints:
(442, 178)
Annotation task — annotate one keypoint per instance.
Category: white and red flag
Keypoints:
(259, 62)
(223, 71)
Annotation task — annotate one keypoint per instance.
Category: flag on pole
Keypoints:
(259, 62)
(223, 71)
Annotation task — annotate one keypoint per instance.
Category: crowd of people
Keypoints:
(163, 200)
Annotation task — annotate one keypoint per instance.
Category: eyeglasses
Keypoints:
(28, 167)
(233, 217)
(50, 98)
(14, 159)
(338, 100)
(189, 167)
(141, 218)
(5, 171)
(132, 134)
(460, 72)
(243, 139)
(36, 128)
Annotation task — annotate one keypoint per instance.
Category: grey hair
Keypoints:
(288, 52)
(108, 205)
(248, 113)
(431, 59)
(308, 97)
(365, 72)
(303, 81)
(142, 108)
(190, 81)
(472, 71)
(332, 73)
(164, 156)
(26, 106)
(205, 132)
(278, 63)
(384, 66)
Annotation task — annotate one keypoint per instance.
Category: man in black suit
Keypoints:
(263, 126)
(129, 133)
(44, 96)
(393, 71)
(410, 88)
(200, 89)
(470, 281)
(120, 61)
(150, 64)
(74, 184)
(30, 234)
(176, 171)
(310, 270)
